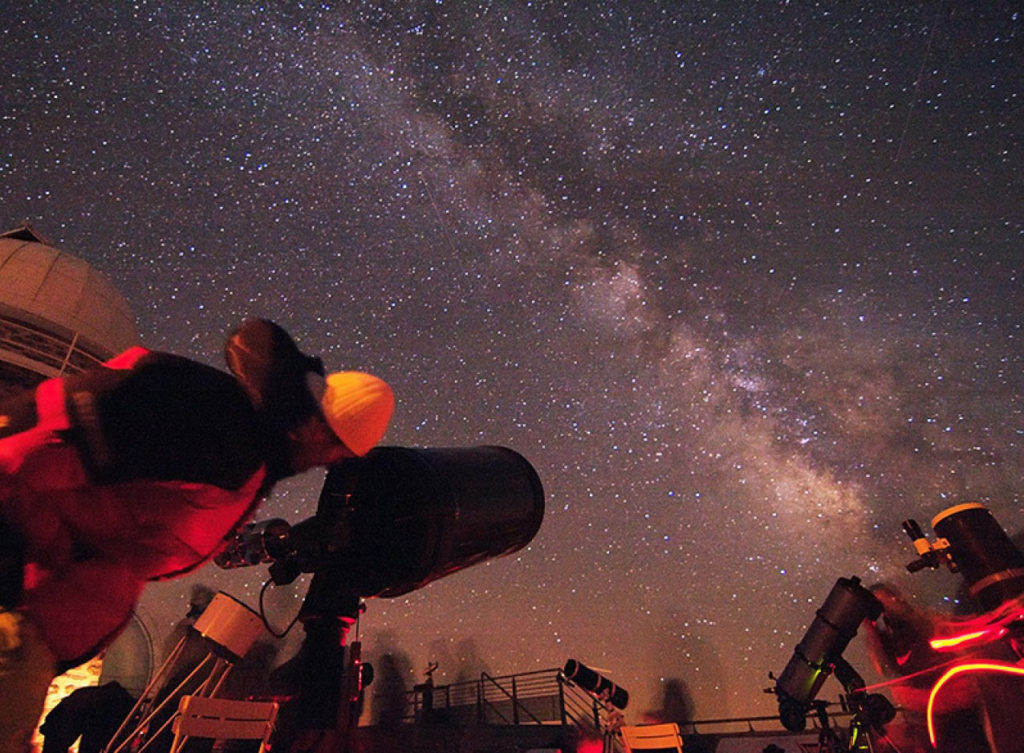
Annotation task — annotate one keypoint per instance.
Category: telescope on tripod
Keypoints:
(820, 655)
(612, 698)
(386, 524)
(968, 542)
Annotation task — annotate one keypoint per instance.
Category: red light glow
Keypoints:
(959, 641)
(960, 669)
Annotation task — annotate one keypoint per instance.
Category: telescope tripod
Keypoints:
(325, 704)
(613, 719)
(859, 739)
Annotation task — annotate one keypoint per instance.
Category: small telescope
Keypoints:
(596, 684)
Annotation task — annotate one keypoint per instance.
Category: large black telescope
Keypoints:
(971, 542)
(386, 524)
(398, 518)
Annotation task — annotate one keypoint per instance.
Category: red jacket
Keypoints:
(134, 473)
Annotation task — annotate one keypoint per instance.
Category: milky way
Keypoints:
(741, 280)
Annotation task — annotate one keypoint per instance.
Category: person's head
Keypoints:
(355, 409)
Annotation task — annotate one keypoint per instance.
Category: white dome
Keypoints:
(62, 295)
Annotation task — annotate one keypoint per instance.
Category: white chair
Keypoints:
(223, 719)
(652, 737)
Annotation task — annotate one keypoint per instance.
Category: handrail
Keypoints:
(44, 352)
(571, 705)
(772, 722)
(489, 692)
(513, 696)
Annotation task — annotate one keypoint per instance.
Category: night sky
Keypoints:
(742, 280)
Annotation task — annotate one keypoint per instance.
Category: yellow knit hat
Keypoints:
(358, 407)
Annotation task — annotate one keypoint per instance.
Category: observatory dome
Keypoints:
(57, 313)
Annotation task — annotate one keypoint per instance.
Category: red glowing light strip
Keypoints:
(958, 669)
(989, 634)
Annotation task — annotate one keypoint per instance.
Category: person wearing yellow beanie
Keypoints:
(357, 407)
(137, 470)
(308, 418)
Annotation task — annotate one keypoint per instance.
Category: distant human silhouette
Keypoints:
(390, 694)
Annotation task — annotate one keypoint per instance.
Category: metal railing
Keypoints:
(547, 697)
(542, 697)
(42, 351)
(538, 697)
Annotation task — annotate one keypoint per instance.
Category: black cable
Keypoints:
(263, 614)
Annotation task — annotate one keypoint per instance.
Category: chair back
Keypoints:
(223, 719)
(652, 737)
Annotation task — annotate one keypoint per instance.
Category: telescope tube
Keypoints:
(814, 658)
(596, 684)
(411, 516)
(990, 563)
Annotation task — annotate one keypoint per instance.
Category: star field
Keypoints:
(742, 281)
